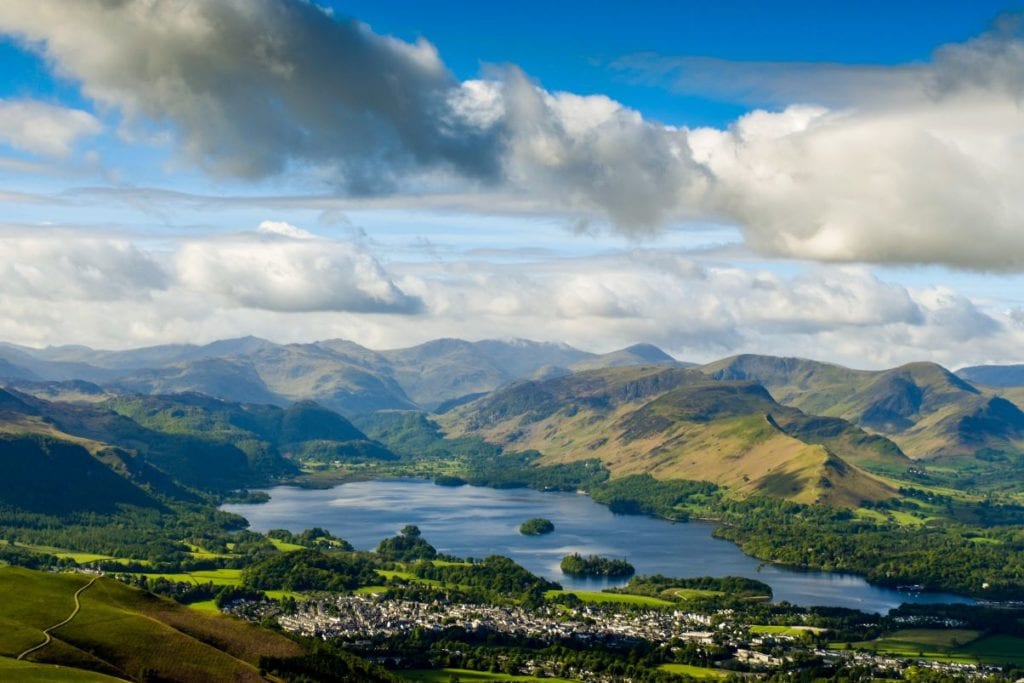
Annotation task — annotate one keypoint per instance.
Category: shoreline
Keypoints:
(711, 522)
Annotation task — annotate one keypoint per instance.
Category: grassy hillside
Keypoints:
(677, 424)
(125, 633)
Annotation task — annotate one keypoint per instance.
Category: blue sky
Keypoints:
(832, 180)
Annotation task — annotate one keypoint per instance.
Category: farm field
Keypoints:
(218, 577)
(948, 645)
(692, 671)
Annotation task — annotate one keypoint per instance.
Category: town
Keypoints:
(719, 638)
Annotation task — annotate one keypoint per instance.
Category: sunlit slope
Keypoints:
(676, 423)
(128, 634)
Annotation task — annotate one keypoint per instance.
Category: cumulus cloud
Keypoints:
(279, 267)
(44, 128)
(905, 164)
(59, 265)
(287, 284)
(287, 269)
(252, 85)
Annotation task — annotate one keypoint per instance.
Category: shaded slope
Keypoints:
(46, 475)
(993, 375)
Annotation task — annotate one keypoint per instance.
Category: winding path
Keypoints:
(78, 607)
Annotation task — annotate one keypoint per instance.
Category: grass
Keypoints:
(468, 676)
(692, 671)
(286, 547)
(621, 598)
(201, 553)
(121, 631)
(205, 606)
(218, 577)
(31, 672)
(948, 645)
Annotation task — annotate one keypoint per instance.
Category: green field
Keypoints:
(602, 597)
(218, 577)
(948, 645)
(467, 676)
(285, 547)
(690, 593)
(122, 631)
(692, 671)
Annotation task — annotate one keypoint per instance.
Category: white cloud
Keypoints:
(44, 128)
(60, 265)
(284, 268)
(907, 164)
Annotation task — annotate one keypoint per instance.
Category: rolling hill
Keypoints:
(123, 633)
(678, 424)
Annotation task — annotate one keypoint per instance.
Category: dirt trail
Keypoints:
(78, 607)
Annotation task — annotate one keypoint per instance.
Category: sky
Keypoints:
(838, 181)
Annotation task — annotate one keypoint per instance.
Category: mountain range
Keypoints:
(243, 412)
(338, 374)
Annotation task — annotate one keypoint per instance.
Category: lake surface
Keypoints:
(470, 521)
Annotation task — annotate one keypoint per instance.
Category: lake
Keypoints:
(470, 521)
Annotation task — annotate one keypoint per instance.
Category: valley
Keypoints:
(839, 488)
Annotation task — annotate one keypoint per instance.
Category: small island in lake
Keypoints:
(538, 526)
(594, 565)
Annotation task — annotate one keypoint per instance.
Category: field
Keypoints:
(218, 577)
(692, 671)
(948, 645)
(467, 676)
(285, 547)
(602, 597)
(123, 632)
(690, 593)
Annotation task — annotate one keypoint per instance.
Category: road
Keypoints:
(78, 607)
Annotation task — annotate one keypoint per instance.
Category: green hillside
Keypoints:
(678, 424)
(125, 633)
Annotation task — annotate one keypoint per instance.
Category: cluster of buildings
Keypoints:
(360, 616)
(364, 617)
